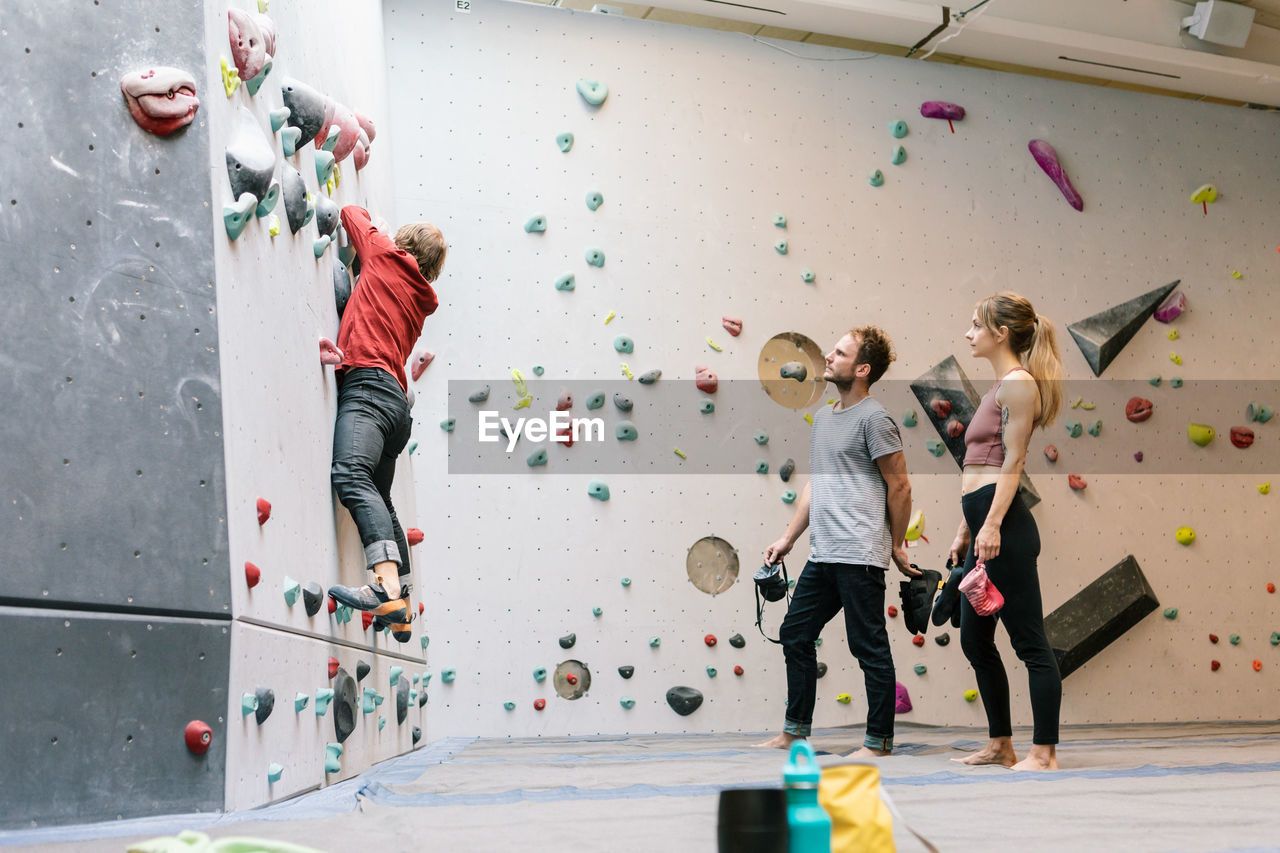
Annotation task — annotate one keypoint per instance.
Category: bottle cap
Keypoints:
(802, 771)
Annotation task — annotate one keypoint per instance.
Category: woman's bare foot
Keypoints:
(1039, 758)
(868, 752)
(782, 741)
(998, 751)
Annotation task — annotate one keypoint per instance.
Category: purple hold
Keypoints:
(942, 109)
(1137, 457)
(902, 701)
(1048, 160)
(1172, 308)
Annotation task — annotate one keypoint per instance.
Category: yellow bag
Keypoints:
(861, 813)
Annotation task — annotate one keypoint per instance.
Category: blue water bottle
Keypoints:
(808, 825)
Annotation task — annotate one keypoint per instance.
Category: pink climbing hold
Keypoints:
(329, 352)
(421, 361)
(248, 43)
(366, 124)
(264, 511)
(161, 99)
(252, 574)
(348, 132)
(732, 325)
(1171, 308)
(706, 381)
(1051, 452)
(955, 428)
(565, 401)
(1047, 158)
(333, 667)
(360, 155)
(414, 536)
(901, 699)
(942, 109)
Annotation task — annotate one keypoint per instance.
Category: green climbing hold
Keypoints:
(447, 424)
(321, 244)
(627, 702)
(509, 705)
(595, 401)
(920, 669)
(1275, 638)
(598, 490)
(592, 91)
(537, 222)
(626, 581)
(898, 156)
(324, 166)
(624, 344)
(818, 643)
(540, 674)
(762, 466)
(396, 672)
(1175, 381)
(909, 418)
(1234, 639)
(595, 257)
(761, 437)
(332, 752)
(788, 496)
(780, 247)
(594, 200)
(898, 129)
(654, 642)
(323, 697)
(565, 141)
(1074, 428)
(382, 721)
(712, 672)
(236, 216)
(278, 117)
(425, 642)
(248, 704)
(780, 220)
(597, 612)
(626, 431)
(537, 370)
(300, 702)
(1154, 381)
(289, 139)
(706, 407)
(876, 178)
(331, 139)
(565, 282)
(537, 457)
(1095, 429)
(292, 589)
(410, 447)
(269, 200)
(1171, 613)
(448, 675)
(367, 700)
(274, 772)
(970, 695)
(936, 447)
(807, 276)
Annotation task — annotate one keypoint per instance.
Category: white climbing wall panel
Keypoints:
(703, 138)
(276, 300)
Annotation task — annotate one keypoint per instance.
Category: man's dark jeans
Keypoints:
(372, 429)
(823, 589)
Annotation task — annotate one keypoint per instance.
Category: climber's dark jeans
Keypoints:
(371, 430)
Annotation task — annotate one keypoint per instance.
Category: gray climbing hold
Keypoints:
(268, 202)
(898, 156)
(1102, 336)
(876, 178)
(780, 247)
(326, 216)
(780, 220)
(402, 701)
(624, 344)
(362, 669)
(294, 189)
(762, 466)
(649, 377)
(794, 370)
(807, 276)
(898, 129)
(537, 222)
(341, 288)
(706, 407)
(565, 282)
(537, 457)
(626, 431)
(250, 160)
(565, 141)
(345, 697)
(623, 403)
(289, 139)
(598, 490)
(822, 669)
(417, 732)
(306, 106)
(266, 702)
(761, 437)
(737, 641)
(595, 401)
(422, 699)
(592, 91)
(278, 118)
(567, 641)
(236, 216)
(594, 200)
(788, 468)
(942, 639)
(324, 166)
(595, 257)
(312, 597)
(684, 700)
(479, 396)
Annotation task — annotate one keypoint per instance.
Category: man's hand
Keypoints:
(777, 551)
(959, 548)
(903, 563)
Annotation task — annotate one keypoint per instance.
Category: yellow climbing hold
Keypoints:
(916, 528)
(626, 371)
(609, 319)
(1076, 403)
(337, 175)
(680, 453)
(518, 378)
(713, 344)
(844, 698)
(1235, 273)
(1206, 194)
(523, 402)
(273, 225)
(1264, 488)
(262, 6)
(970, 695)
(1173, 334)
(809, 418)
(1175, 358)
(230, 78)
(1088, 407)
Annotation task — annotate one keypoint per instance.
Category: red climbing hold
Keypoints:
(1138, 409)
(420, 608)
(366, 619)
(1076, 482)
(732, 325)
(1213, 638)
(941, 408)
(333, 605)
(1271, 587)
(955, 429)
(710, 639)
(564, 435)
(571, 678)
(421, 360)
(264, 510)
(539, 704)
(706, 381)
(1257, 666)
(1214, 665)
(333, 667)
(252, 574)
(893, 612)
(1241, 437)
(199, 736)
(414, 535)
(918, 639)
(737, 670)
(565, 401)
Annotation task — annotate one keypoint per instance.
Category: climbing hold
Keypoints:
(594, 200)
(566, 282)
(1175, 358)
(737, 641)
(684, 700)
(737, 670)
(252, 575)
(1184, 535)
(898, 129)
(1275, 638)
(920, 669)
(822, 667)
(1074, 428)
(1138, 409)
(712, 672)
(248, 704)
(1138, 457)
(788, 496)
(1171, 613)
(249, 44)
(626, 371)
(236, 216)
(1241, 437)
(567, 641)
(761, 437)
(278, 117)
(1051, 452)
(539, 704)
(540, 674)
(706, 406)
(269, 202)
(230, 77)
(273, 229)
(597, 612)
(794, 370)
(780, 220)
(448, 675)
(893, 612)
(1259, 413)
(1175, 382)
(571, 678)
(915, 526)
(274, 772)
(326, 216)
(1234, 639)
(942, 109)
(598, 490)
(537, 457)
(625, 431)
(1257, 665)
(732, 325)
(654, 642)
(626, 581)
(292, 589)
(1171, 307)
(330, 138)
(395, 673)
(1095, 429)
(1213, 638)
(332, 752)
(479, 396)
(1047, 158)
(295, 197)
(264, 701)
(289, 139)
(421, 360)
(595, 257)
(366, 619)
(807, 276)
(714, 345)
(595, 401)
(537, 370)
(909, 418)
(898, 155)
(710, 639)
(622, 403)
(762, 466)
(941, 408)
(934, 446)
(788, 468)
(447, 424)
(1206, 194)
(592, 91)
(161, 99)
(250, 160)
(844, 698)
(918, 640)
(1265, 489)
(329, 352)
(876, 178)
(970, 695)
(312, 597)
(321, 244)
(902, 700)
(954, 428)
(780, 247)
(627, 702)
(565, 141)
(1173, 335)
(649, 377)
(942, 639)
(537, 222)
(1200, 434)
(198, 736)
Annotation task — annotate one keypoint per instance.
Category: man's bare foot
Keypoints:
(782, 741)
(998, 751)
(1039, 758)
(868, 752)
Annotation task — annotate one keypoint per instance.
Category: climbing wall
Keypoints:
(702, 140)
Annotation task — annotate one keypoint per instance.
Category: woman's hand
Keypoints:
(987, 545)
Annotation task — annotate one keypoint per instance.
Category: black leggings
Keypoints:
(1014, 574)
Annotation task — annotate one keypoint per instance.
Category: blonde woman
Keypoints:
(1023, 352)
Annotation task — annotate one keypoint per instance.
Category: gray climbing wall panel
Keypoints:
(93, 713)
(112, 476)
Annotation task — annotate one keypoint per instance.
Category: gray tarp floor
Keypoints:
(1131, 788)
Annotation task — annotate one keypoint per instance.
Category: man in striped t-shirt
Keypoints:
(855, 505)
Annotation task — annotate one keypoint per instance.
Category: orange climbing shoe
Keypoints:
(400, 625)
(372, 597)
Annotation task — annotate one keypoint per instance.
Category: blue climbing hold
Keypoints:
(898, 156)
(876, 178)
(626, 431)
(592, 91)
(762, 466)
(624, 344)
(538, 457)
(780, 247)
(780, 220)
(236, 216)
(595, 257)
(565, 282)
(909, 419)
(537, 222)
(898, 129)
(565, 141)
(706, 407)
(598, 490)
(594, 200)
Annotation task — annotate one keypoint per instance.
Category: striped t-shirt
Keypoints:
(848, 511)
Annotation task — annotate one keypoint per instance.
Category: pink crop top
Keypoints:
(983, 439)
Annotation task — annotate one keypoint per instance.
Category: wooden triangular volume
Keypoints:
(1102, 336)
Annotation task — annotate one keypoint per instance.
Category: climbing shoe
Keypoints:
(371, 597)
(917, 599)
(401, 627)
(947, 605)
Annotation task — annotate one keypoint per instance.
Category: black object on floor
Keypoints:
(752, 820)
(1099, 614)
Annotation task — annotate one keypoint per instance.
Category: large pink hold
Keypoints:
(1172, 307)
(161, 99)
(360, 154)
(248, 45)
(348, 132)
(942, 109)
(366, 124)
(706, 381)
(901, 699)
(732, 325)
(421, 360)
(1048, 160)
